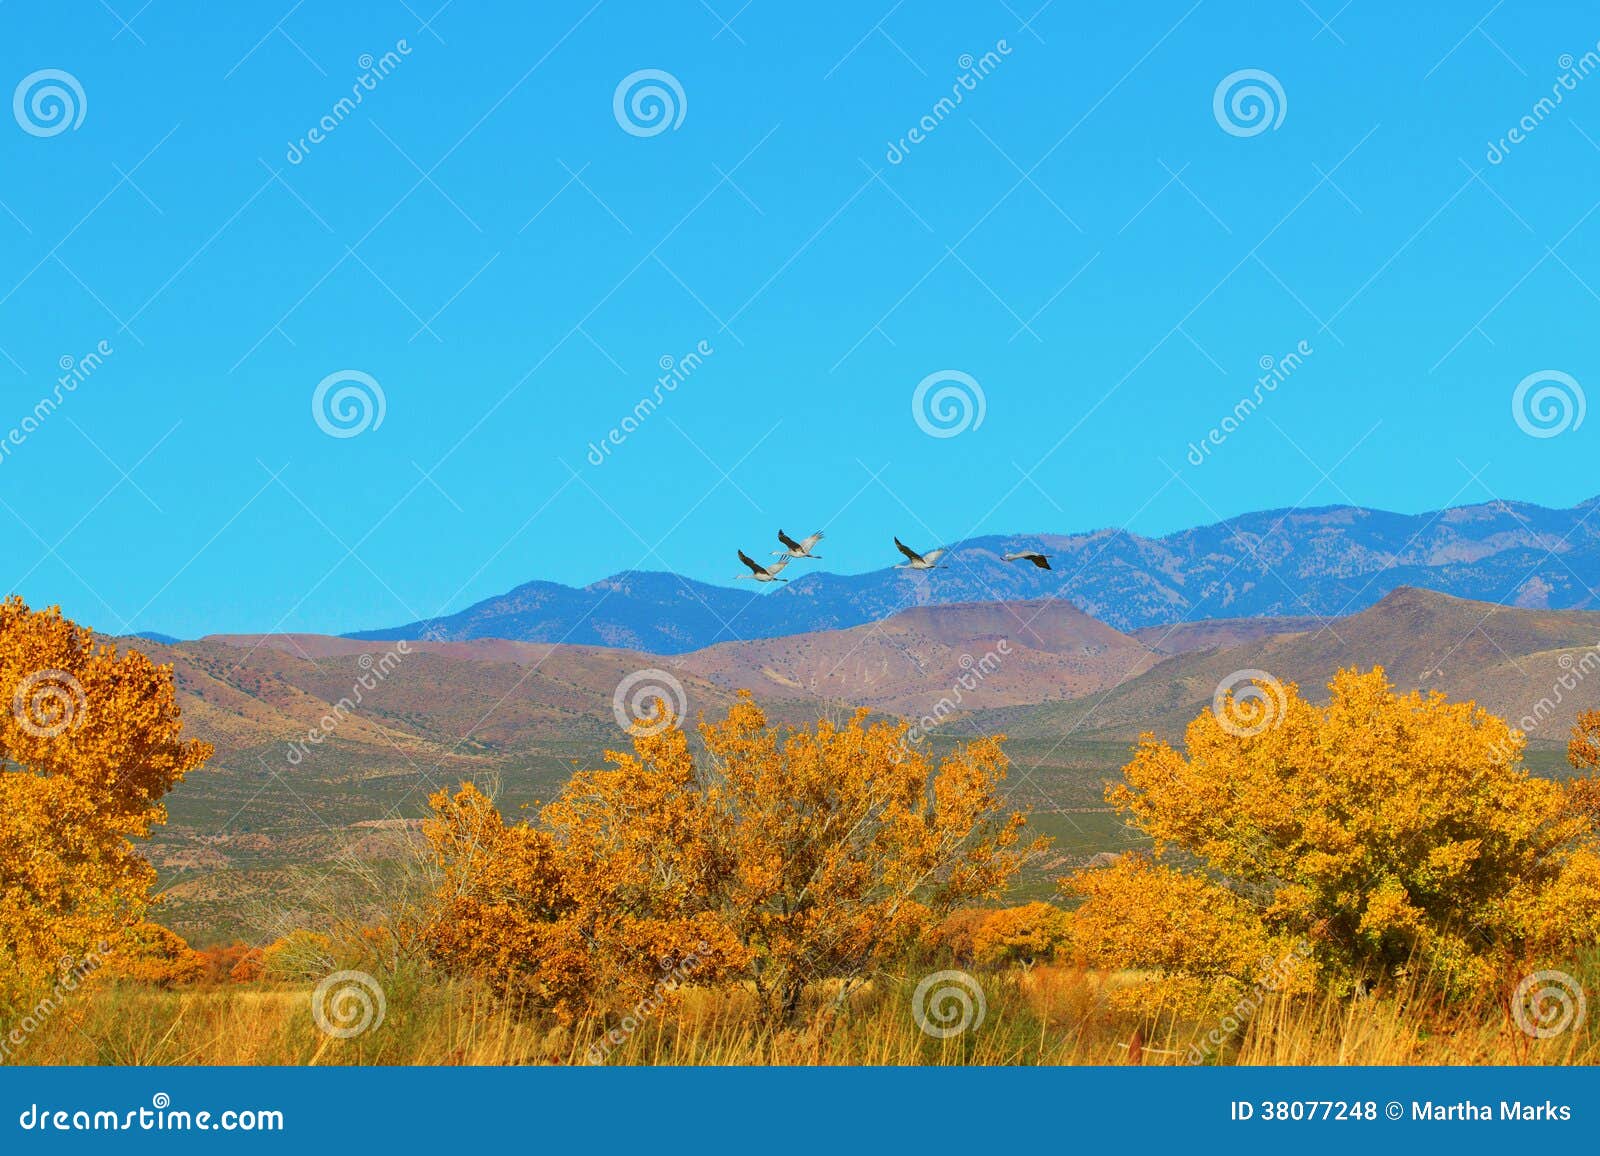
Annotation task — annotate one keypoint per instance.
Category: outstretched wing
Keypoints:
(1040, 561)
(907, 550)
(788, 541)
(933, 556)
(811, 541)
(778, 565)
(755, 567)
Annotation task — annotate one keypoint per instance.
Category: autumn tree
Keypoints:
(1384, 830)
(1192, 945)
(154, 955)
(1032, 933)
(775, 858)
(90, 741)
(502, 910)
(1583, 752)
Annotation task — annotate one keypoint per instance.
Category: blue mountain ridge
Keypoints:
(1332, 560)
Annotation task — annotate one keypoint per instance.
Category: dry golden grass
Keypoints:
(1047, 1015)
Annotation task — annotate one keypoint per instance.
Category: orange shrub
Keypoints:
(152, 954)
(1032, 933)
(1386, 831)
(778, 859)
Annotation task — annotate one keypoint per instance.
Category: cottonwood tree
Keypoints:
(90, 742)
(781, 859)
(1388, 831)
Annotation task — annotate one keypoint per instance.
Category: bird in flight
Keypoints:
(1040, 560)
(800, 549)
(762, 573)
(915, 561)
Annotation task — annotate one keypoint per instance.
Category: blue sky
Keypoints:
(1080, 236)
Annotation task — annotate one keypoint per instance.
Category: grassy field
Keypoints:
(1043, 1015)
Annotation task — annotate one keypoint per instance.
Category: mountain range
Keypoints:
(1041, 668)
(326, 744)
(1302, 563)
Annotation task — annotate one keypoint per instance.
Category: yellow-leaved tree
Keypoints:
(1383, 831)
(780, 859)
(90, 741)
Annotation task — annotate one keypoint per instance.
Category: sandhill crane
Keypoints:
(762, 573)
(800, 549)
(1040, 560)
(915, 561)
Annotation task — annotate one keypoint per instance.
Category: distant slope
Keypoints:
(1536, 668)
(1315, 563)
(496, 695)
(488, 697)
(970, 655)
(1213, 633)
